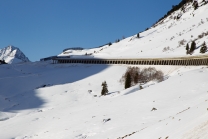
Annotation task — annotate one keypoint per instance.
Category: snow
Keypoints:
(12, 55)
(65, 108)
(40, 100)
(152, 42)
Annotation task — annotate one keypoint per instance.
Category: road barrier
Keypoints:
(189, 60)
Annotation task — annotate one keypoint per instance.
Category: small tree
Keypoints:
(138, 35)
(195, 4)
(104, 89)
(193, 47)
(203, 48)
(187, 48)
(128, 81)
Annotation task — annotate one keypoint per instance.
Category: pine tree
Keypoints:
(104, 89)
(193, 47)
(128, 81)
(187, 48)
(138, 35)
(203, 48)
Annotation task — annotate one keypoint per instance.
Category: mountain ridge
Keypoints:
(11, 54)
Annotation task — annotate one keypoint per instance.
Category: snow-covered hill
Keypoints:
(11, 54)
(40, 100)
(167, 38)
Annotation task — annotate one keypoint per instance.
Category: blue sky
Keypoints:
(42, 28)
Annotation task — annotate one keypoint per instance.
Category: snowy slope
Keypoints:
(168, 34)
(39, 100)
(65, 108)
(12, 54)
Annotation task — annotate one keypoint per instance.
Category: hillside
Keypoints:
(167, 38)
(40, 100)
(56, 103)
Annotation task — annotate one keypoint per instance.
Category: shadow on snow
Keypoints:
(19, 91)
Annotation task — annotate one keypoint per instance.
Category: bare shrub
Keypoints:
(149, 74)
(166, 49)
(182, 42)
(199, 24)
(142, 76)
(172, 38)
(133, 71)
(200, 36)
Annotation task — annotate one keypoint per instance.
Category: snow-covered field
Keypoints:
(40, 100)
(65, 108)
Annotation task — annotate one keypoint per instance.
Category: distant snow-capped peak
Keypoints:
(11, 54)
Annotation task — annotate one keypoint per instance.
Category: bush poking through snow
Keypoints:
(104, 89)
(117, 41)
(203, 48)
(153, 109)
(166, 49)
(200, 36)
(182, 42)
(134, 75)
(106, 120)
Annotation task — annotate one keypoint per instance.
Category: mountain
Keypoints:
(11, 54)
(63, 101)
